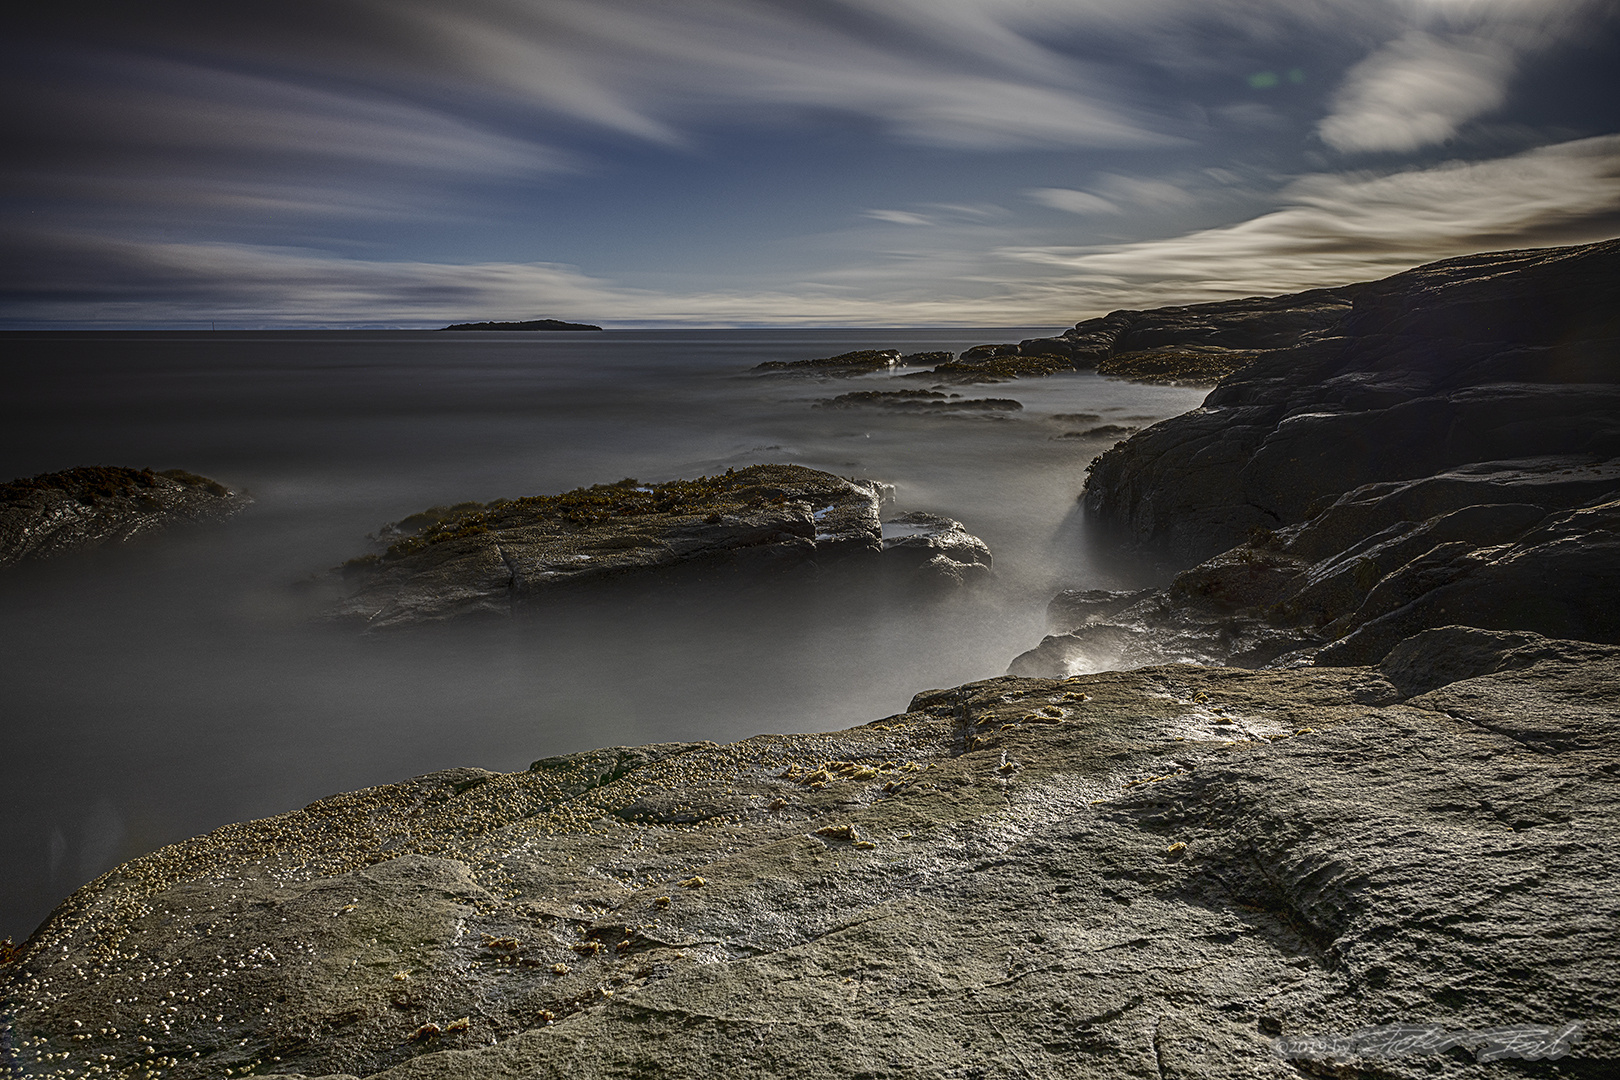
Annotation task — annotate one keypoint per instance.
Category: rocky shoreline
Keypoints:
(1162, 872)
(1366, 835)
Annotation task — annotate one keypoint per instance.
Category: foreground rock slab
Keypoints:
(79, 509)
(1159, 873)
(496, 558)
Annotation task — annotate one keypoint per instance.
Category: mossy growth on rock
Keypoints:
(584, 506)
(997, 368)
(93, 484)
(484, 557)
(1175, 365)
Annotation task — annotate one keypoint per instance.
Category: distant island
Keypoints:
(532, 324)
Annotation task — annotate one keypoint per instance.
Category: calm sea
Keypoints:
(158, 690)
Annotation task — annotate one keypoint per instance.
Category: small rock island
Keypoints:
(530, 324)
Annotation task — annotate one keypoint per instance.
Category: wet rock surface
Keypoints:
(1155, 873)
(79, 509)
(506, 556)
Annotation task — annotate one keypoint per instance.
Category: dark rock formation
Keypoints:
(919, 401)
(1485, 358)
(1512, 545)
(1171, 872)
(531, 324)
(859, 362)
(1449, 457)
(473, 558)
(77, 509)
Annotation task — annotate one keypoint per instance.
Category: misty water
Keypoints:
(163, 688)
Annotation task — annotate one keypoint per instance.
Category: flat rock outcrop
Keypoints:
(496, 558)
(78, 509)
(1171, 872)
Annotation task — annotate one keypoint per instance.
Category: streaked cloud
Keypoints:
(1330, 229)
(1422, 86)
(1338, 228)
(766, 160)
(898, 217)
(1416, 92)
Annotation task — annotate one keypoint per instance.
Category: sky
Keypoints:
(322, 163)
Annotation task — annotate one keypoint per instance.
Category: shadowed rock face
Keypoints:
(494, 559)
(1451, 456)
(1485, 358)
(1509, 545)
(78, 509)
(1148, 873)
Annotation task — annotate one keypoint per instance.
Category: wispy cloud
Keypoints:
(1074, 202)
(1337, 228)
(1422, 86)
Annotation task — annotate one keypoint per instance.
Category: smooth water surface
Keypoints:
(160, 689)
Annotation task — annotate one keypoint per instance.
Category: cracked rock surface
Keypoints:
(1155, 873)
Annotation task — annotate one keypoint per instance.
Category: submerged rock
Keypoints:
(1175, 871)
(77, 509)
(919, 401)
(496, 558)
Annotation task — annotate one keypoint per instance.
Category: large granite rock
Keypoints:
(1170, 872)
(498, 558)
(77, 509)
(1485, 358)
(1450, 455)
